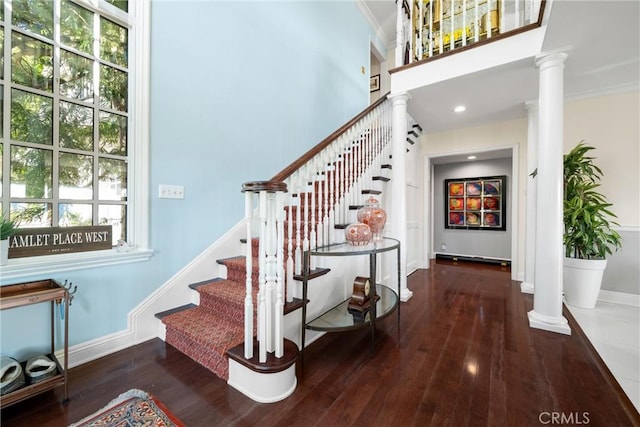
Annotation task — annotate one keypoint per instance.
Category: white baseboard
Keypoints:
(99, 347)
(619, 298)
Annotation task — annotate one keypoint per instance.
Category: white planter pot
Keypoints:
(4, 251)
(582, 279)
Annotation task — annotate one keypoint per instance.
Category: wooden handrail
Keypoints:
(268, 186)
(289, 170)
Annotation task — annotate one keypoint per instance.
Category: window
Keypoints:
(69, 153)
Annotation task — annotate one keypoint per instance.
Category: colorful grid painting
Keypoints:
(476, 203)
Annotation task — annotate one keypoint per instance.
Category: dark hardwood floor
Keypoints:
(466, 357)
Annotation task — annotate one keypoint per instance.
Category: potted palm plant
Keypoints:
(7, 229)
(588, 234)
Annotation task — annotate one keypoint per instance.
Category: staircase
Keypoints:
(321, 201)
(205, 332)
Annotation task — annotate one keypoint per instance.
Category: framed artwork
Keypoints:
(374, 83)
(476, 203)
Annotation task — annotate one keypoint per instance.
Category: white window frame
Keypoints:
(138, 22)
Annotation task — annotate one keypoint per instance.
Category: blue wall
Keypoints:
(238, 91)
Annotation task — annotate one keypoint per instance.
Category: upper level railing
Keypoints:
(432, 28)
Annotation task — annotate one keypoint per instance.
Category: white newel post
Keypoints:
(547, 300)
(268, 385)
(271, 268)
(399, 184)
(528, 284)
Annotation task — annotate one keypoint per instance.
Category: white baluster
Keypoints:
(320, 201)
(488, 18)
(399, 35)
(305, 202)
(368, 150)
(248, 299)
(342, 161)
(358, 145)
(476, 22)
(312, 189)
(325, 214)
(298, 251)
(262, 313)
(351, 167)
(331, 172)
(289, 268)
(431, 35)
(464, 23)
(271, 271)
(451, 25)
(362, 129)
(279, 303)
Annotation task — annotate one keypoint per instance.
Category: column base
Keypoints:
(546, 323)
(405, 295)
(526, 288)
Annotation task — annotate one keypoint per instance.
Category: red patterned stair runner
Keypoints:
(207, 331)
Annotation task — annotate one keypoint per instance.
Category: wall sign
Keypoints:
(476, 203)
(59, 240)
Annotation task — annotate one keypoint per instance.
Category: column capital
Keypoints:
(401, 97)
(550, 60)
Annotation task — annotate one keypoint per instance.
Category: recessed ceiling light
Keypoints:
(459, 109)
(471, 157)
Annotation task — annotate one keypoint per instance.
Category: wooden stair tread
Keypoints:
(272, 365)
(294, 305)
(165, 313)
(196, 285)
(381, 178)
(313, 274)
(232, 259)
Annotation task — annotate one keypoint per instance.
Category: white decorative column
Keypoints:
(399, 184)
(527, 285)
(547, 297)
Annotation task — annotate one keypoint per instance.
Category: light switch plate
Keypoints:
(171, 191)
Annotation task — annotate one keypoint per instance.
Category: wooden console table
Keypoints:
(22, 294)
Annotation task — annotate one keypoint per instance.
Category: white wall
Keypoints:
(611, 124)
(482, 243)
(500, 135)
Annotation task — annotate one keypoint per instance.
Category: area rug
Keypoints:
(134, 408)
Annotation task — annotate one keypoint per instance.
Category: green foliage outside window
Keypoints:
(67, 143)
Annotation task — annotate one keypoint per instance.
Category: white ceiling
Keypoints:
(603, 41)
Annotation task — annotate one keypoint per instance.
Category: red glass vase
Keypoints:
(358, 234)
(374, 216)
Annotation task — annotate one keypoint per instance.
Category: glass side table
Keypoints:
(338, 318)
